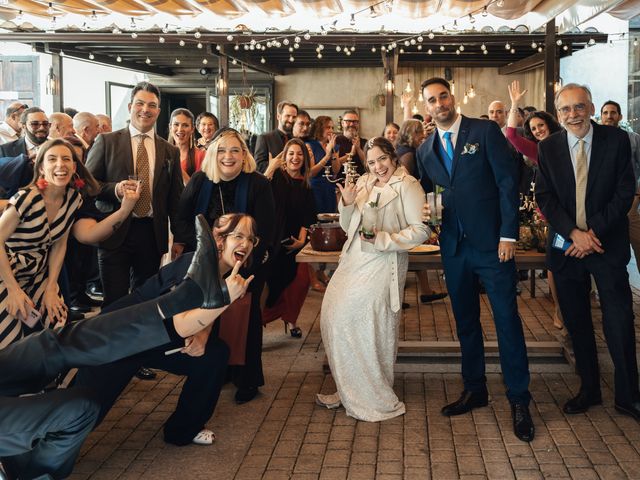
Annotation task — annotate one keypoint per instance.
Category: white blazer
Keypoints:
(399, 222)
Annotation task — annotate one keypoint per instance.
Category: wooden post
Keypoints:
(56, 65)
(390, 63)
(550, 66)
(223, 93)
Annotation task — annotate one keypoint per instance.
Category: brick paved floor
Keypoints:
(283, 434)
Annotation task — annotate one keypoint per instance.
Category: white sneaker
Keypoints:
(204, 437)
(328, 401)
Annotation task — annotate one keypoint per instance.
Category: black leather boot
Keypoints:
(204, 269)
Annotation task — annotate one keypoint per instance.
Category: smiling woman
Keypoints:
(228, 183)
(182, 129)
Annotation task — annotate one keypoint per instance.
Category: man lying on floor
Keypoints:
(41, 434)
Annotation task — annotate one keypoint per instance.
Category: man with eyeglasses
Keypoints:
(585, 187)
(11, 128)
(16, 157)
(272, 143)
(302, 125)
(349, 143)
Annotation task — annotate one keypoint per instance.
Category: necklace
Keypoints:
(221, 199)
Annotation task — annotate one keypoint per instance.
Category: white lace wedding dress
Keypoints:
(360, 333)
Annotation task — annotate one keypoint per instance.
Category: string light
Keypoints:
(50, 9)
(147, 61)
(373, 49)
(307, 36)
(431, 36)
(161, 39)
(483, 47)
(352, 22)
(420, 39)
(230, 38)
(181, 43)
(419, 47)
(262, 60)
(91, 56)
(319, 55)
(177, 62)
(507, 46)
(134, 35)
(205, 61)
(61, 53)
(472, 19)
(534, 45)
(118, 59)
(199, 45)
(291, 59)
(429, 52)
(165, 29)
(442, 48)
(484, 11)
(197, 34)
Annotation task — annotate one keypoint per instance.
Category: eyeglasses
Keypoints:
(578, 108)
(38, 124)
(355, 122)
(241, 238)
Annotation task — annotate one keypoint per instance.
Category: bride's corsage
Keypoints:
(470, 148)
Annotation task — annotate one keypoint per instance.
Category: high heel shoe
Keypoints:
(295, 332)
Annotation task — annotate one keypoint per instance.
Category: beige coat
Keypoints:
(399, 223)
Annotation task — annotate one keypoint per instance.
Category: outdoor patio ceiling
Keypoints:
(169, 37)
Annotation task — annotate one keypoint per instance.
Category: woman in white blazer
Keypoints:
(362, 304)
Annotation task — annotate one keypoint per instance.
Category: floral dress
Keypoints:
(28, 251)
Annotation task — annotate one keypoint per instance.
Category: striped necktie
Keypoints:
(581, 185)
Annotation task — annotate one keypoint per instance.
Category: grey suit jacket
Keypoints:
(110, 161)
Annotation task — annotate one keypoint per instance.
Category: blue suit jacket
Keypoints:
(481, 194)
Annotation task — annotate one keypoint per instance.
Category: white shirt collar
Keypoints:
(573, 140)
(454, 128)
(133, 131)
(30, 145)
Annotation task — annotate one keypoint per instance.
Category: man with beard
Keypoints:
(16, 158)
(611, 114)
(350, 143)
(470, 159)
(272, 143)
(11, 128)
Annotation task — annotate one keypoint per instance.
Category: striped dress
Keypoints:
(28, 251)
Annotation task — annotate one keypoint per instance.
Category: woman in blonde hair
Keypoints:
(228, 183)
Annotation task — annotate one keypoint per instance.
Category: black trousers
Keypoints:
(42, 434)
(573, 283)
(127, 267)
(205, 374)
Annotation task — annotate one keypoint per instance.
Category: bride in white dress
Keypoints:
(362, 304)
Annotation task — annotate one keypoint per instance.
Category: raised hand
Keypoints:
(515, 93)
(236, 284)
(349, 193)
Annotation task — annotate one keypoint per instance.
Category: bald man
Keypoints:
(498, 113)
(105, 123)
(11, 127)
(61, 125)
(87, 127)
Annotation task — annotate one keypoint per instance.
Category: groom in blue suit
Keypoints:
(470, 159)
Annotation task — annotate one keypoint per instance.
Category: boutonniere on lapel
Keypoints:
(470, 148)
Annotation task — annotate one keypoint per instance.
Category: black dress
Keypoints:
(295, 208)
(260, 205)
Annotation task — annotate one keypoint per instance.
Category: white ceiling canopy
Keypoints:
(315, 16)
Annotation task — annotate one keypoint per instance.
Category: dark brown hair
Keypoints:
(145, 87)
(90, 187)
(552, 124)
(191, 158)
(383, 144)
(233, 219)
(319, 124)
(434, 80)
(306, 158)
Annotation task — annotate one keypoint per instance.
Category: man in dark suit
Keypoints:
(16, 158)
(470, 160)
(272, 143)
(41, 434)
(585, 187)
(132, 254)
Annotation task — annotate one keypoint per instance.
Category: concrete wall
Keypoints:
(335, 89)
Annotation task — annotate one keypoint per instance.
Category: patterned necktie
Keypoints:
(581, 185)
(449, 145)
(143, 205)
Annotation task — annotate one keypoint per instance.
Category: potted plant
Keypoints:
(243, 110)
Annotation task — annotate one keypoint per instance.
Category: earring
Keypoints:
(41, 183)
(78, 182)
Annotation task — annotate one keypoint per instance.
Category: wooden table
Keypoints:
(443, 350)
(525, 260)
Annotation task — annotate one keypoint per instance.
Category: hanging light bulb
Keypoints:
(352, 22)
(161, 39)
(373, 49)
(134, 35)
(591, 42)
(472, 19)
(484, 11)
(93, 17)
(165, 29)
(431, 36)
(429, 52)
(319, 55)
(307, 36)
(420, 97)
(230, 38)
(420, 39)
(262, 60)
(500, 3)
(453, 87)
(419, 47)
(442, 48)
(472, 91)
(465, 99)
(408, 87)
(513, 50)
(291, 59)
(91, 56)
(177, 62)
(147, 61)
(199, 45)
(534, 45)
(205, 61)
(635, 42)
(412, 41)
(133, 25)
(414, 110)
(507, 46)
(458, 109)
(197, 34)
(285, 41)
(19, 17)
(483, 47)
(181, 43)
(50, 9)
(118, 59)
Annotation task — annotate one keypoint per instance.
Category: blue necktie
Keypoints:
(449, 144)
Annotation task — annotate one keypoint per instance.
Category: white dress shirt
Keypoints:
(7, 133)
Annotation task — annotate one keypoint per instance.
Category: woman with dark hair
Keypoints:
(322, 144)
(361, 308)
(289, 281)
(207, 124)
(228, 183)
(181, 134)
(537, 127)
(34, 229)
(390, 132)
